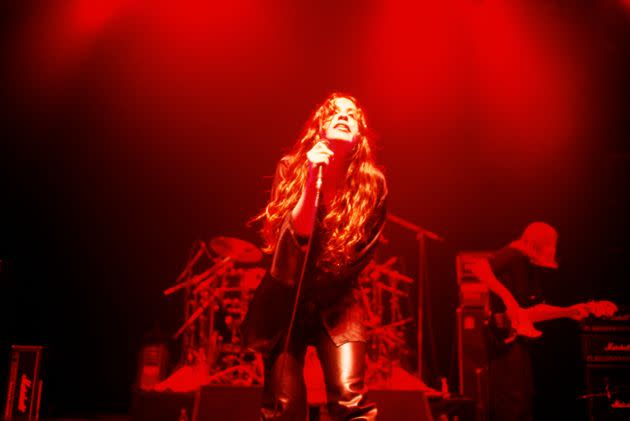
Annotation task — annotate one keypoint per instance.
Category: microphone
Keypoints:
(320, 166)
(320, 171)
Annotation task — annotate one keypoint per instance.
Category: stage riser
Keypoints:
(221, 403)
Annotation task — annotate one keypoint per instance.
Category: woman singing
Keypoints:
(335, 232)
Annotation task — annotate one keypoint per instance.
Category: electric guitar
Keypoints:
(506, 328)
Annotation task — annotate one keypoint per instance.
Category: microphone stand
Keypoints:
(421, 236)
(298, 289)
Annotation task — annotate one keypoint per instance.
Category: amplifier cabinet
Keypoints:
(606, 353)
(473, 357)
(472, 292)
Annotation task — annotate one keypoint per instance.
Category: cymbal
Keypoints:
(239, 250)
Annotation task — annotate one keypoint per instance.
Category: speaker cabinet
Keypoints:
(396, 405)
(229, 403)
(453, 408)
(25, 384)
(162, 406)
(606, 353)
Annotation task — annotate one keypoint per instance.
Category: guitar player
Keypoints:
(512, 274)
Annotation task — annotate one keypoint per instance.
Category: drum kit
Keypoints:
(218, 283)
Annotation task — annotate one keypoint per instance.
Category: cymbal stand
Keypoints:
(201, 301)
(421, 236)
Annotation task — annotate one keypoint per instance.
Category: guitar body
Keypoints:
(501, 334)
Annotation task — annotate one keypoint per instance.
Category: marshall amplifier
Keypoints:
(606, 353)
(607, 392)
(606, 340)
(25, 385)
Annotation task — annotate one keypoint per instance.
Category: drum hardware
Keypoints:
(205, 302)
(389, 333)
(385, 269)
(194, 280)
(382, 289)
(391, 290)
(218, 271)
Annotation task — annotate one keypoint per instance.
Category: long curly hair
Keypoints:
(347, 223)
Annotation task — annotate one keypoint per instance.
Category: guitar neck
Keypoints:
(539, 313)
